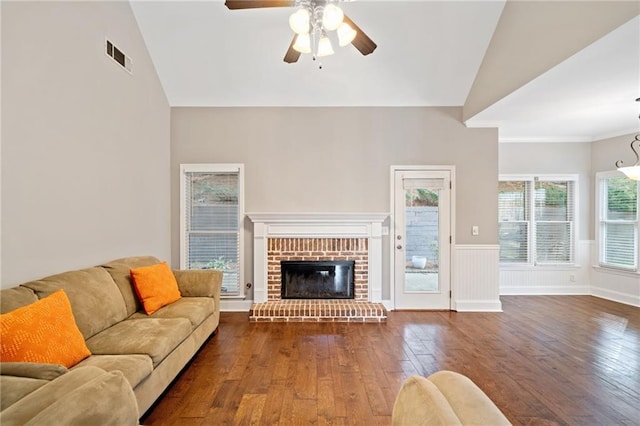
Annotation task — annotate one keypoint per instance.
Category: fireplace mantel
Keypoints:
(317, 225)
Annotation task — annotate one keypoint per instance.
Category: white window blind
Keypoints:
(211, 222)
(514, 221)
(619, 222)
(536, 223)
(554, 221)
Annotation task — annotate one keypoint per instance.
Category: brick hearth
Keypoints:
(318, 311)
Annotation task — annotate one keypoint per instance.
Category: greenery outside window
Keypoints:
(618, 221)
(211, 215)
(537, 219)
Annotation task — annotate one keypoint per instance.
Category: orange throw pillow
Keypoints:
(156, 286)
(44, 331)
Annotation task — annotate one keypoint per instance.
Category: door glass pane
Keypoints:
(422, 245)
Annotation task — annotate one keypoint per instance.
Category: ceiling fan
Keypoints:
(311, 22)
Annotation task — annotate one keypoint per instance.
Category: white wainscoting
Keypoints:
(612, 284)
(538, 280)
(475, 278)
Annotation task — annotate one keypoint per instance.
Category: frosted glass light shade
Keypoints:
(299, 21)
(346, 34)
(324, 47)
(332, 17)
(302, 43)
(632, 172)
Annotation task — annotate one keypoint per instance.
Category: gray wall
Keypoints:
(606, 152)
(338, 160)
(555, 158)
(85, 145)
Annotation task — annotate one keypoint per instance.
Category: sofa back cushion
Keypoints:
(120, 271)
(95, 299)
(16, 297)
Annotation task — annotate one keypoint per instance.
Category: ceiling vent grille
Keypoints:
(118, 55)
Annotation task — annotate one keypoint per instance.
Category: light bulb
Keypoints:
(299, 21)
(302, 43)
(324, 46)
(332, 17)
(346, 34)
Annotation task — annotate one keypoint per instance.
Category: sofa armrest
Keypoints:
(85, 395)
(467, 400)
(32, 370)
(199, 282)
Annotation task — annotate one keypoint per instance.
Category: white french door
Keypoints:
(422, 238)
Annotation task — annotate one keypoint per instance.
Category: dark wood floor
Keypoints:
(544, 360)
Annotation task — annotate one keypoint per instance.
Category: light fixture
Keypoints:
(303, 43)
(324, 46)
(313, 20)
(632, 172)
(332, 17)
(299, 21)
(346, 34)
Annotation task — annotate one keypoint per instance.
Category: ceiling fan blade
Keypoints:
(362, 42)
(256, 4)
(292, 54)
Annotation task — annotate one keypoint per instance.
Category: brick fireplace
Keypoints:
(318, 237)
(317, 249)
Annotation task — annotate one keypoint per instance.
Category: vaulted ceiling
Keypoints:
(540, 71)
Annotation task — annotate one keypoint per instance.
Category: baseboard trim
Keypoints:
(544, 290)
(616, 296)
(478, 306)
(231, 305)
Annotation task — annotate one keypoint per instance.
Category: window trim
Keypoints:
(600, 176)
(215, 168)
(531, 243)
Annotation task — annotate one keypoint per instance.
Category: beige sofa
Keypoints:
(444, 398)
(134, 358)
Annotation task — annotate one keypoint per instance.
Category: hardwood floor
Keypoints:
(544, 360)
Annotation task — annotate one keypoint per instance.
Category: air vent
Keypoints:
(118, 55)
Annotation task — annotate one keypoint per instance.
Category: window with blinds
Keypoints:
(211, 219)
(554, 221)
(618, 202)
(536, 223)
(514, 221)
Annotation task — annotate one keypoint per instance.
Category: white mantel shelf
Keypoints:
(317, 225)
(318, 217)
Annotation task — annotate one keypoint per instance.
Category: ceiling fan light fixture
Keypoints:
(632, 172)
(332, 17)
(346, 34)
(299, 21)
(324, 46)
(302, 43)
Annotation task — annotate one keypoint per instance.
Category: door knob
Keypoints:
(399, 247)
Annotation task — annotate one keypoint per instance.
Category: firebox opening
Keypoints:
(318, 279)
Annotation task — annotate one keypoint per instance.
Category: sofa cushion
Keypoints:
(120, 271)
(135, 368)
(32, 370)
(155, 286)
(15, 388)
(84, 396)
(95, 298)
(16, 297)
(195, 309)
(156, 337)
(44, 331)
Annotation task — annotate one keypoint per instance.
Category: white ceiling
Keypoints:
(428, 55)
